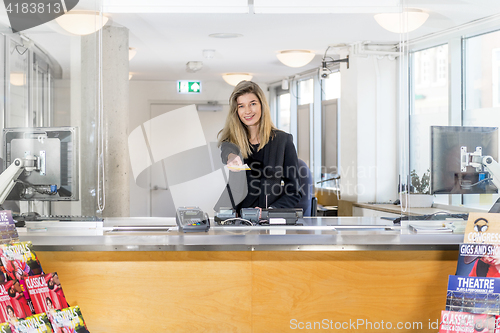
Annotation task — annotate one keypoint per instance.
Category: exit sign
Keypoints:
(188, 87)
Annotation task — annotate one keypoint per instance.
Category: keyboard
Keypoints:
(431, 217)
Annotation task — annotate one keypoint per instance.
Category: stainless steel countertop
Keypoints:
(316, 234)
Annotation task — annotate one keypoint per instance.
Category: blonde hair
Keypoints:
(235, 131)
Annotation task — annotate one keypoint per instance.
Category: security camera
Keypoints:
(324, 73)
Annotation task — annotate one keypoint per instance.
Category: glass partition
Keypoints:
(388, 101)
(52, 109)
(481, 93)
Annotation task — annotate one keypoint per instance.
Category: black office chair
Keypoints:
(308, 202)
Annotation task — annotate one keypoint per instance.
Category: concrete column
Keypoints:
(115, 105)
(87, 123)
(116, 100)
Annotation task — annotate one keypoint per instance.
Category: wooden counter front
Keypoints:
(252, 291)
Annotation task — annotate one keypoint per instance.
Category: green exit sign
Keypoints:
(188, 87)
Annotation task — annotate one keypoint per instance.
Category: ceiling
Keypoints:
(168, 35)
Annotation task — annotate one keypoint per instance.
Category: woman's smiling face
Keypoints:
(249, 109)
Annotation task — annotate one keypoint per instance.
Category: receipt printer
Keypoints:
(288, 216)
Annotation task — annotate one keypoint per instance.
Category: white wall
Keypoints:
(62, 102)
(368, 137)
(142, 93)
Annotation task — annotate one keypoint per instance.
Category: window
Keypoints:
(284, 112)
(495, 62)
(331, 86)
(306, 92)
(428, 104)
(481, 93)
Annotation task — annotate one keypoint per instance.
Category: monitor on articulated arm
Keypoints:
(40, 164)
(464, 160)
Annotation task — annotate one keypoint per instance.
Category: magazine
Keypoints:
(19, 260)
(46, 293)
(481, 260)
(13, 304)
(461, 322)
(473, 294)
(34, 324)
(5, 328)
(8, 231)
(69, 320)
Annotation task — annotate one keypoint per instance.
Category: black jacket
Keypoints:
(280, 164)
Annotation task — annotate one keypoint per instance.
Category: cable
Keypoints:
(464, 186)
(101, 190)
(326, 52)
(248, 222)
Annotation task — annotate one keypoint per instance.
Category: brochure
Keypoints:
(46, 292)
(5, 328)
(13, 304)
(34, 324)
(19, 260)
(67, 320)
(482, 260)
(473, 294)
(461, 322)
(8, 231)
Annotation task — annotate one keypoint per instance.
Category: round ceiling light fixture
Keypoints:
(82, 22)
(17, 79)
(132, 51)
(235, 78)
(408, 20)
(295, 58)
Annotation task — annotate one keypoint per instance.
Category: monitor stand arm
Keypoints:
(493, 168)
(8, 178)
(478, 161)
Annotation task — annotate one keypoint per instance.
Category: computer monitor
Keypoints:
(447, 176)
(56, 151)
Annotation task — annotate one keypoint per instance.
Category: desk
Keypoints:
(250, 279)
(390, 210)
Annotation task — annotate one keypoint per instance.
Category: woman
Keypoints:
(11, 315)
(249, 138)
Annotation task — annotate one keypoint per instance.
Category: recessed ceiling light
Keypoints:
(208, 54)
(194, 66)
(225, 35)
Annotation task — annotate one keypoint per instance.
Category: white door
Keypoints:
(160, 198)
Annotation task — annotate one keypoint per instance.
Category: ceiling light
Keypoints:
(131, 53)
(193, 66)
(235, 78)
(82, 22)
(225, 35)
(295, 58)
(410, 19)
(208, 54)
(17, 79)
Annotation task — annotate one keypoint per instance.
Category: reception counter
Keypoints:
(142, 275)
